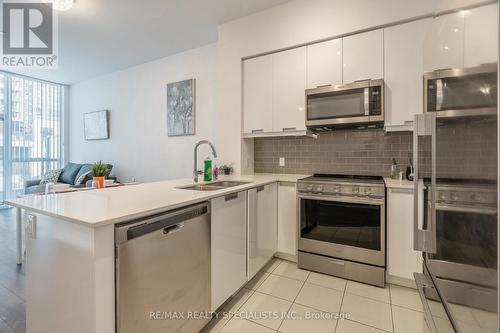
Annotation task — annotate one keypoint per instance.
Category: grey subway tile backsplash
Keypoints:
(466, 149)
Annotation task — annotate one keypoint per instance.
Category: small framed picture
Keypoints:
(181, 106)
(95, 125)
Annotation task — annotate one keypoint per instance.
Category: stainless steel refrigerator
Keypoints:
(456, 162)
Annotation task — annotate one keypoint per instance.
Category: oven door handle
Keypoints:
(424, 239)
(355, 200)
(474, 210)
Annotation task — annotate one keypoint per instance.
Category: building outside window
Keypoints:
(31, 131)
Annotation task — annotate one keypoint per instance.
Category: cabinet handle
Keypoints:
(285, 129)
(261, 188)
(257, 130)
(231, 196)
(324, 85)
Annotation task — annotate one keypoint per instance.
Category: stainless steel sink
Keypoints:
(201, 188)
(219, 185)
(227, 183)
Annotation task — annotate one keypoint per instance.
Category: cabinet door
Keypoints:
(481, 39)
(257, 94)
(262, 227)
(444, 44)
(287, 218)
(289, 84)
(228, 242)
(402, 260)
(324, 63)
(363, 56)
(403, 70)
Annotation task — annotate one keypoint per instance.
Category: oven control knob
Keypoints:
(454, 196)
(441, 196)
(355, 190)
(337, 189)
(368, 191)
(309, 188)
(478, 197)
(319, 188)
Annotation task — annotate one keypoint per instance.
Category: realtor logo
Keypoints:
(29, 36)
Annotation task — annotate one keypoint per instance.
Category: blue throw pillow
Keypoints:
(68, 174)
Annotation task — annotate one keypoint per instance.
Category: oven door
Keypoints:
(350, 229)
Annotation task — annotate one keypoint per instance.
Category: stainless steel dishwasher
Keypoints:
(163, 272)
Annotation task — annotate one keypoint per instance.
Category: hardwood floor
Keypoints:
(12, 287)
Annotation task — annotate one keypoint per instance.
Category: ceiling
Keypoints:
(101, 36)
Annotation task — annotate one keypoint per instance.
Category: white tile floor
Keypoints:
(307, 299)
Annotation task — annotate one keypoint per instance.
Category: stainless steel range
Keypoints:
(342, 226)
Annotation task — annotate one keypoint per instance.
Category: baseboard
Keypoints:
(400, 281)
(286, 256)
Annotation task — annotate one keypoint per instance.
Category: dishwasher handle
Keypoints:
(169, 222)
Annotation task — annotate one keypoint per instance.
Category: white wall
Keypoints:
(136, 97)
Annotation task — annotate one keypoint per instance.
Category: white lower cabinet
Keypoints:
(402, 260)
(287, 220)
(262, 227)
(228, 240)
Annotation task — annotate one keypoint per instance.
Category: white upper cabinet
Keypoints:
(363, 56)
(444, 44)
(289, 84)
(324, 63)
(258, 94)
(403, 70)
(480, 40)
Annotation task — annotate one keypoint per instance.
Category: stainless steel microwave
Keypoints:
(353, 104)
(461, 92)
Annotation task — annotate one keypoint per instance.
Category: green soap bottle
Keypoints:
(207, 174)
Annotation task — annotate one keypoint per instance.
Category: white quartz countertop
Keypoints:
(396, 183)
(123, 203)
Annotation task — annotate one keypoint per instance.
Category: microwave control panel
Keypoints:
(375, 101)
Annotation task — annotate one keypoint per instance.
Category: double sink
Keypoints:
(220, 185)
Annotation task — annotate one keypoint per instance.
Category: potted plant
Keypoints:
(99, 171)
(226, 169)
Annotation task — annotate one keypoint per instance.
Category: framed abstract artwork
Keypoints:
(181, 108)
(95, 125)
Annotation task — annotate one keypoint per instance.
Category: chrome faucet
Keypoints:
(195, 171)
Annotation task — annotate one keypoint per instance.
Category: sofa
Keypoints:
(69, 175)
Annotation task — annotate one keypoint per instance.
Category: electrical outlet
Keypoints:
(32, 225)
(282, 161)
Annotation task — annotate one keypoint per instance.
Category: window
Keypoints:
(31, 119)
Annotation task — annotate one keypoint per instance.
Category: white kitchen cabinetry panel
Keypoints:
(258, 95)
(363, 56)
(228, 233)
(403, 69)
(262, 226)
(289, 84)
(481, 41)
(402, 260)
(444, 45)
(287, 219)
(324, 63)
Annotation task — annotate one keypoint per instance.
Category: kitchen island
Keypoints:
(70, 247)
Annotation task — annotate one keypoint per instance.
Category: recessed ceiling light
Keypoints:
(62, 5)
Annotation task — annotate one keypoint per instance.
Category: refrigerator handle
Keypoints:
(424, 239)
